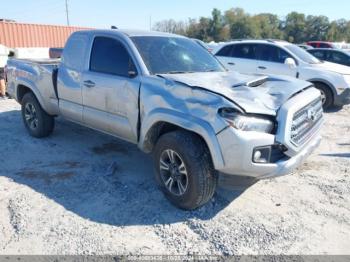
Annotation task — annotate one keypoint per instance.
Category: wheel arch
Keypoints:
(23, 88)
(163, 122)
(326, 83)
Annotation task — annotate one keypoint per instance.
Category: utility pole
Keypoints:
(67, 13)
(150, 23)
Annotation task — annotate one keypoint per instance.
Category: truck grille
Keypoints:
(304, 122)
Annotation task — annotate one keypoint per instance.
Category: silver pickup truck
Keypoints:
(171, 97)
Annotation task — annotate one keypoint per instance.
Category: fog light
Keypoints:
(257, 156)
(262, 154)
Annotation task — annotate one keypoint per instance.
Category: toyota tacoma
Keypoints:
(171, 97)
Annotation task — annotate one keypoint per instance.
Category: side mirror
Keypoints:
(132, 73)
(290, 62)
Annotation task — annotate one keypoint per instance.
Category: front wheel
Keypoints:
(326, 95)
(36, 120)
(184, 169)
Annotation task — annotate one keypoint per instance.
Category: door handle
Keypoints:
(231, 63)
(262, 67)
(89, 83)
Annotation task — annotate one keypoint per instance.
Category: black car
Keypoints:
(337, 56)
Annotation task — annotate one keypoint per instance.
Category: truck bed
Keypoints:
(40, 75)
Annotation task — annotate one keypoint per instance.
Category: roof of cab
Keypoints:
(132, 33)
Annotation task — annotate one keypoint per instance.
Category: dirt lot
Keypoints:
(82, 192)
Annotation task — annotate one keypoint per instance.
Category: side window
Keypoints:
(319, 54)
(74, 52)
(225, 51)
(325, 45)
(109, 56)
(313, 44)
(338, 57)
(272, 53)
(247, 51)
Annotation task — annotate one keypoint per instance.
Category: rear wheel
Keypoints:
(184, 169)
(36, 120)
(326, 95)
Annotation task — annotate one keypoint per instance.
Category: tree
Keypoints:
(317, 27)
(236, 23)
(225, 33)
(294, 27)
(171, 26)
(216, 25)
(268, 26)
(200, 29)
(241, 24)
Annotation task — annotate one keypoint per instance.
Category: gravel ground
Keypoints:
(82, 192)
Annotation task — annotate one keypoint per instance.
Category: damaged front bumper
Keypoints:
(238, 154)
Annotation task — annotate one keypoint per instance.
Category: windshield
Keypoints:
(302, 54)
(171, 55)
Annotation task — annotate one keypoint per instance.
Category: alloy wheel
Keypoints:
(323, 97)
(173, 172)
(31, 116)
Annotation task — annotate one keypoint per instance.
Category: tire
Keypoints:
(37, 122)
(189, 149)
(327, 95)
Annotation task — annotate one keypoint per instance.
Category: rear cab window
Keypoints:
(74, 52)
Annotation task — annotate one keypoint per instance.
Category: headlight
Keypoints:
(347, 79)
(246, 122)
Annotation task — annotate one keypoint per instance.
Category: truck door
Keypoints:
(69, 77)
(110, 86)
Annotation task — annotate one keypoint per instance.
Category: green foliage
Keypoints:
(294, 27)
(235, 23)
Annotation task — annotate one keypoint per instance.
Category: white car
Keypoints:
(283, 58)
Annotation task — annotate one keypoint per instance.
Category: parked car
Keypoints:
(332, 55)
(283, 58)
(332, 45)
(171, 97)
(305, 47)
(321, 44)
(342, 45)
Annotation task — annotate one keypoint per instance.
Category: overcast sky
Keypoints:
(136, 13)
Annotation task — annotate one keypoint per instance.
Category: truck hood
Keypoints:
(253, 93)
(332, 67)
